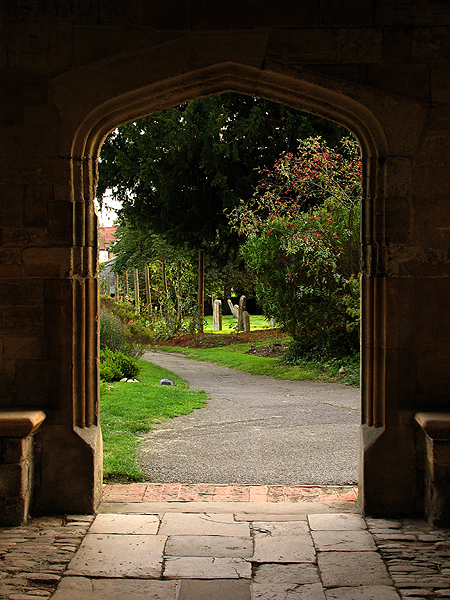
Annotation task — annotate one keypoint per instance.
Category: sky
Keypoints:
(107, 214)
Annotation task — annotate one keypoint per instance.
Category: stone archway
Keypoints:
(133, 101)
(73, 71)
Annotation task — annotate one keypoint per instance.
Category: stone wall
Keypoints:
(72, 71)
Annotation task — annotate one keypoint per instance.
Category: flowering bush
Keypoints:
(302, 242)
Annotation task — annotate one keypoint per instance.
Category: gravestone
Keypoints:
(234, 309)
(242, 303)
(246, 319)
(217, 315)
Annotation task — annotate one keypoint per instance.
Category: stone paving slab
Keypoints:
(363, 592)
(348, 569)
(203, 524)
(118, 555)
(223, 589)
(252, 509)
(194, 567)
(264, 528)
(217, 546)
(299, 573)
(82, 588)
(336, 522)
(34, 558)
(284, 549)
(347, 541)
(289, 591)
(131, 524)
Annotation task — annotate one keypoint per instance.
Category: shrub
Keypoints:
(135, 325)
(114, 365)
(127, 364)
(109, 371)
(113, 333)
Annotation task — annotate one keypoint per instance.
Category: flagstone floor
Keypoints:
(293, 544)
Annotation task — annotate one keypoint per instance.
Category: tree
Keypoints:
(302, 242)
(177, 171)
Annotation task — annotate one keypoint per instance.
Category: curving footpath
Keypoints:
(255, 430)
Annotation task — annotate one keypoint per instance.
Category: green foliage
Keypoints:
(302, 244)
(114, 365)
(166, 321)
(352, 302)
(178, 170)
(123, 328)
(128, 409)
(113, 333)
(110, 371)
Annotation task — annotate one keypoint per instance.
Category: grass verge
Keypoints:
(229, 324)
(129, 409)
(337, 371)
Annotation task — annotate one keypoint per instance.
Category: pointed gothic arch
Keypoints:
(307, 94)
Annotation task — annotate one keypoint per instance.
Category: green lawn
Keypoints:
(128, 409)
(234, 356)
(229, 324)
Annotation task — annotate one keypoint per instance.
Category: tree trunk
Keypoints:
(201, 285)
(136, 290)
(163, 303)
(127, 291)
(116, 288)
(179, 299)
(164, 276)
(148, 293)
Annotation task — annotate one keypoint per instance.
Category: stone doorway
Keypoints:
(85, 146)
(311, 453)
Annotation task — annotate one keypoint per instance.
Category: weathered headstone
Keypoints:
(234, 309)
(272, 322)
(246, 319)
(242, 303)
(217, 315)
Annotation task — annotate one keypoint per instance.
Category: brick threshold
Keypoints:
(204, 492)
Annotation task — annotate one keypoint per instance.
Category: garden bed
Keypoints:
(213, 340)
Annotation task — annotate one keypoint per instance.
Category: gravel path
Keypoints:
(255, 430)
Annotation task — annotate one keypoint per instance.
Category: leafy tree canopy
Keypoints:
(305, 258)
(178, 171)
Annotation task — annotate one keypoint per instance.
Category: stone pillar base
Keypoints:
(16, 480)
(17, 464)
(436, 466)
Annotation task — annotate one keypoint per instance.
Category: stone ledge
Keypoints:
(20, 423)
(436, 425)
